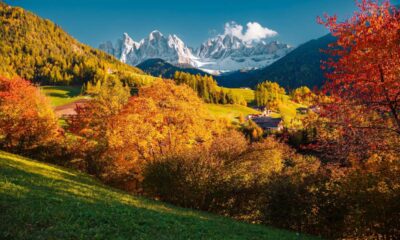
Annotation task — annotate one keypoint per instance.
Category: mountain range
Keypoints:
(232, 61)
(300, 67)
(221, 54)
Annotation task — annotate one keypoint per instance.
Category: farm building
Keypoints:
(268, 123)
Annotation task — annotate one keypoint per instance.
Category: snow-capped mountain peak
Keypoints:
(222, 53)
(227, 52)
(129, 42)
(155, 35)
(156, 45)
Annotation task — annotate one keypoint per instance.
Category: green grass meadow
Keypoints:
(230, 111)
(61, 95)
(42, 201)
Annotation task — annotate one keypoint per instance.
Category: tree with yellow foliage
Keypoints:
(163, 119)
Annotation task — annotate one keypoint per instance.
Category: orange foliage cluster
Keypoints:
(27, 121)
(163, 119)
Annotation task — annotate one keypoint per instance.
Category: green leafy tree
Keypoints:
(269, 94)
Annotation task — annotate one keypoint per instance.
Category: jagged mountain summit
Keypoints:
(224, 53)
(156, 45)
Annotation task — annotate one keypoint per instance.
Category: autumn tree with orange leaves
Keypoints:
(163, 119)
(28, 124)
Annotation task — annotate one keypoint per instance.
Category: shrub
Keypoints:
(222, 180)
(188, 180)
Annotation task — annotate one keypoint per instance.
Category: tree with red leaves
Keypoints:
(364, 71)
(361, 115)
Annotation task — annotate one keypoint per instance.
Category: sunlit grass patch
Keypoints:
(246, 93)
(230, 111)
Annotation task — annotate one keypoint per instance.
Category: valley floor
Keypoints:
(65, 98)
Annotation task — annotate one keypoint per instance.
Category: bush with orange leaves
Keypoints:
(28, 124)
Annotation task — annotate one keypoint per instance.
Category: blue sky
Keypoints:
(95, 21)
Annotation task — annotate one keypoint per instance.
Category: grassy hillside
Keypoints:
(230, 111)
(246, 93)
(286, 110)
(41, 201)
(61, 95)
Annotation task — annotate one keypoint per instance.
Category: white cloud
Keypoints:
(253, 32)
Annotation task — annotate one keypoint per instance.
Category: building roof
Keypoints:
(267, 122)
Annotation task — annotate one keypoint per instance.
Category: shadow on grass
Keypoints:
(62, 91)
(60, 95)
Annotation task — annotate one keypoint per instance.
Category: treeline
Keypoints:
(270, 95)
(208, 90)
(38, 50)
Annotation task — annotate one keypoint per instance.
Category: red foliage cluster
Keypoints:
(364, 70)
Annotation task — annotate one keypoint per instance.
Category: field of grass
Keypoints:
(248, 94)
(42, 201)
(230, 111)
(61, 95)
(288, 112)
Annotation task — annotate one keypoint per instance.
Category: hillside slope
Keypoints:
(301, 67)
(158, 67)
(42, 201)
(231, 112)
(39, 50)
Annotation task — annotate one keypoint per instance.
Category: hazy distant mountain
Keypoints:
(223, 53)
(300, 67)
(158, 67)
